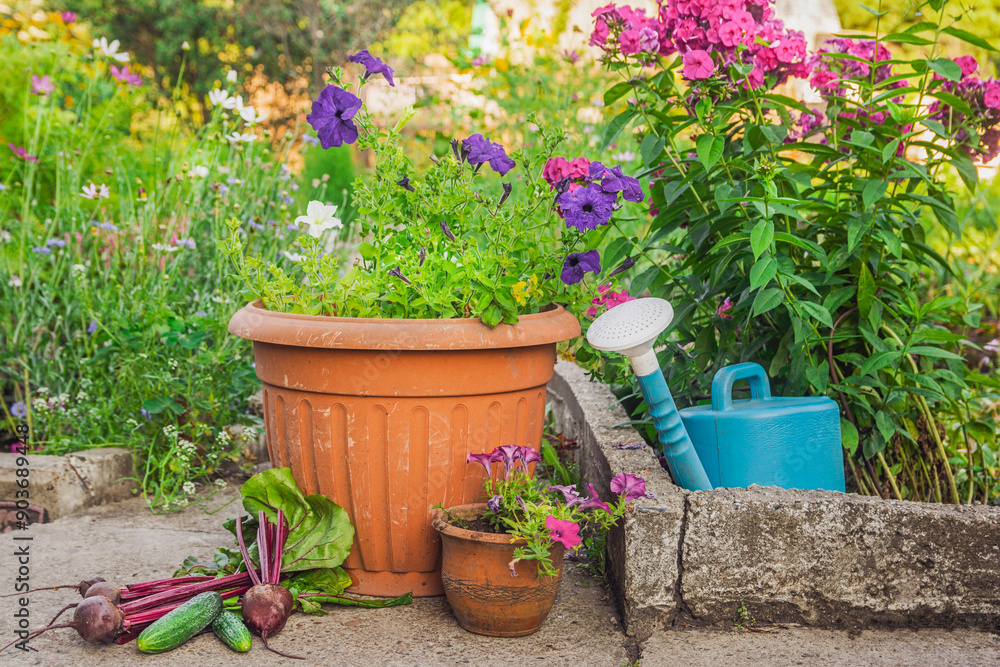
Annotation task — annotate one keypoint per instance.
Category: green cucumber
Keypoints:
(229, 627)
(181, 624)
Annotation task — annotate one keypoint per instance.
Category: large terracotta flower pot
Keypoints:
(379, 414)
(485, 597)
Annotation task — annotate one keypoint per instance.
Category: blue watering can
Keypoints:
(791, 442)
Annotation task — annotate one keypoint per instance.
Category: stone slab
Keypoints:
(838, 559)
(67, 484)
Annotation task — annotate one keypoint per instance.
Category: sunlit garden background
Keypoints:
(131, 132)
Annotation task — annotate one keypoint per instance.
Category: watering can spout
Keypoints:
(631, 329)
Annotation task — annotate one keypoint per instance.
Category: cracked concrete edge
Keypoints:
(644, 551)
(815, 558)
(67, 484)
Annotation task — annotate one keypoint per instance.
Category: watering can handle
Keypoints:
(722, 384)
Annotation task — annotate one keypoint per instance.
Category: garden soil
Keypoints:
(124, 543)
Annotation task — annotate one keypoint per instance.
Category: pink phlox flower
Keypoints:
(724, 308)
(649, 40)
(991, 95)
(698, 64)
(41, 85)
(566, 533)
(968, 65)
(22, 153)
(600, 34)
(632, 486)
(730, 33)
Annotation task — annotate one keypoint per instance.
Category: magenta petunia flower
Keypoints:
(372, 65)
(528, 456)
(477, 150)
(698, 64)
(509, 455)
(126, 76)
(587, 207)
(594, 500)
(331, 116)
(41, 85)
(566, 533)
(725, 307)
(578, 264)
(22, 153)
(631, 486)
(570, 494)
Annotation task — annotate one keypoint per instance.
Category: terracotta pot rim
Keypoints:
(552, 325)
(440, 523)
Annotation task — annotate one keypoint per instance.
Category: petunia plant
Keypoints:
(525, 508)
(484, 232)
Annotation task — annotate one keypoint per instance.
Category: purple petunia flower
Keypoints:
(594, 500)
(613, 180)
(477, 149)
(579, 263)
(631, 485)
(18, 410)
(331, 116)
(372, 65)
(570, 494)
(509, 455)
(494, 504)
(587, 207)
(529, 456)
(484, 460)
(93, 327)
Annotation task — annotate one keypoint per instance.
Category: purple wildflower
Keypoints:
(201, 313)
(41, 85)
(631, 485)
(93, 327)
(144, 413)
(108, 226)
(188, 243)
(587, 207)
(18, 410)
(126, 76)
(289, 200)
(477, 149)
(310, 139)
(372, 65)
(331, 116)
(22, 153)
(42, 250)
(56, 243)
(629, 445)
(578, 264)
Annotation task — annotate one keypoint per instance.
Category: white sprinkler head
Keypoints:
(631, 328)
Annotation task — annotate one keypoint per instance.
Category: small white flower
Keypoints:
(246, 137)
(231, 76)
(5, 236)
(185, 46)
(189, 488)
(15, 280)
(221, 483)
(78, 268)
(183, 502)
(165, 248)
(218, 97)
(320, 218)
(111, 50)
(95, 191)
(234, 103)
(292, 256)
(250, 115)
(198, 171)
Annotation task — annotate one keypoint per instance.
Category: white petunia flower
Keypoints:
(218, 96)
(320, 218)
(250, 115)
(292, 256)
(111, 50)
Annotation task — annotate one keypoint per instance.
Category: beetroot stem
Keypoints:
(279, 548)
(246, 554)
(262, 545)
(184, 592)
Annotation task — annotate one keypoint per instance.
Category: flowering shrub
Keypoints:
(451, 244)
(527, 509)
(795, 235)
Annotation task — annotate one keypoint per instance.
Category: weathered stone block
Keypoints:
(67, 484)
(839, 559)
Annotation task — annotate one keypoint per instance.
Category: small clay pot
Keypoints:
(475, 571)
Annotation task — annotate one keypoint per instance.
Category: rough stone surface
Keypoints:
(832, 558)
(643, 551)
(67, 484)
(817, 558)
